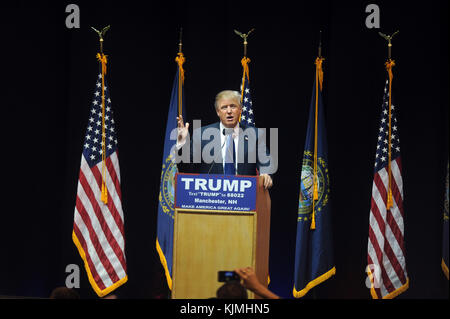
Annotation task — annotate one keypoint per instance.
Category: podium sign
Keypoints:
(216, 192)
(218, 221)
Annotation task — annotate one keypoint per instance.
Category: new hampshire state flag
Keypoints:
(314, 252)
(164, 239)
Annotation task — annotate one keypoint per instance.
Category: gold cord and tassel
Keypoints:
(319, 81)
(104, 193)
(389, 65)
(180, 60)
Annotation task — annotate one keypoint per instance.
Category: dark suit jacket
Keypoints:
(207, 139)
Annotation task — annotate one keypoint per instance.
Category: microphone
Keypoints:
(221, 148)
(225, 132)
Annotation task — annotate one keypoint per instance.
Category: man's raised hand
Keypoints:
(183, 130)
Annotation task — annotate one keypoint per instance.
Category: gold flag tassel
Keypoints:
(319, 81)
(180, 60)
(104, 193)
(389, 65)
(245, 61)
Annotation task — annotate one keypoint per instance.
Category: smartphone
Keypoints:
(224, 276)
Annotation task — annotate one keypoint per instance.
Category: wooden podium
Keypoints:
(208, 238)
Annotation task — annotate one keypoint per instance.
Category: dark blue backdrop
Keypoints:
(48, 73)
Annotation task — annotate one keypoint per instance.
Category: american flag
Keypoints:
(98, 228)
(386, 252)
(247, 116)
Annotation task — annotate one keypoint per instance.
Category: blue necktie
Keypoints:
(229, 168)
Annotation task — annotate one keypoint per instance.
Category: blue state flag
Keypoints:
(445, 231)
(314, 251)
(164, 239)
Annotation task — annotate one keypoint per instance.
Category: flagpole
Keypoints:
(389, 65)
(320, 44)
(180, 88)
(102, 59)
(180, 43)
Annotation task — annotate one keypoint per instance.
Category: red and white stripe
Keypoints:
(386, 252)
(98, 229)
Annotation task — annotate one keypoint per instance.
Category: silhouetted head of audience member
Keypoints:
(64, 293)
(232, 290)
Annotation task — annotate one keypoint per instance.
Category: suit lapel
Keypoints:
(243, 149)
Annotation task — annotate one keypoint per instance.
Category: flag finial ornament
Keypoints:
(101, 34)
(244, 36)
(388, 38)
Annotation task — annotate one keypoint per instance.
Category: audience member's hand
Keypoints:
(251, 282)
(248, 276)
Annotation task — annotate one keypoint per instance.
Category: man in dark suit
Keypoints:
(224, 147)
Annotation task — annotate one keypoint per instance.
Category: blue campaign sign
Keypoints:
(216, 192)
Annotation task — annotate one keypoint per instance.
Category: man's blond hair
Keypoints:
(230, 95)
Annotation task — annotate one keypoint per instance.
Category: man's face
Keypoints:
(229, 111)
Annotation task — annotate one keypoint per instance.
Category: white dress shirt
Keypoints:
(236, 143)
